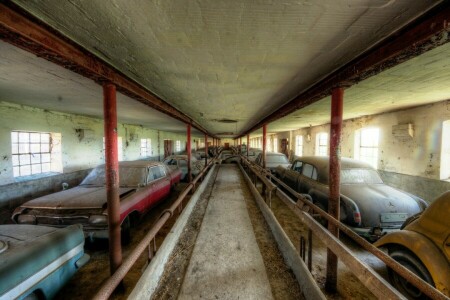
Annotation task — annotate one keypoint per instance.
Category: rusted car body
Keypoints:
(36, 261)
(370, 207)
(142, 185)
(423, 246)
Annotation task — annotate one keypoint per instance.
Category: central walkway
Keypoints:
(226, 262)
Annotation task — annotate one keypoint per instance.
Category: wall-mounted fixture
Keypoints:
(403, 130)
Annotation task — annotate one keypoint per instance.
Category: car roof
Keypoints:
(137, 163)
(323, 161)
(322, 165)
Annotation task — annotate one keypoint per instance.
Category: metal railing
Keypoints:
(113, 282)
(303, 207)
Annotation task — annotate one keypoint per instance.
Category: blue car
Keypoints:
(36, 261)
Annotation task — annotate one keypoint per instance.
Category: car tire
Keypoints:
(412, 263)
(125, 231)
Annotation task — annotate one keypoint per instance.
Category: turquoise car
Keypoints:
(36, 261)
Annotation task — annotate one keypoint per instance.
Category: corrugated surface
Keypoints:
(226, 59)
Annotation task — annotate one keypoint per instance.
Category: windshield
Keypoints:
(359, 176)
(128, 177)
(277, 159)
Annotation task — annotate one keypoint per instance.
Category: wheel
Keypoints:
(412, 263)
(125, 231)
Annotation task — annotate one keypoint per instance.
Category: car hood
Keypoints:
(375, 199)
(78, 197)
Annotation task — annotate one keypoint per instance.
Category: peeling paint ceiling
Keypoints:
(236, 60)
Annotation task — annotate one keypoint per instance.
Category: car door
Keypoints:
(291, 175)
(157, 180)
(310, 185)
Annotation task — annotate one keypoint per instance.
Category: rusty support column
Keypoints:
(206, 150)
(337, 100)
(112, 175)
(264, 142)
(248, 144)
(188, 146)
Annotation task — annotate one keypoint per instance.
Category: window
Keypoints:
(322, 144)
(298, 166)
(366, 145)
(275, 144)
(146, 147)
(299, 145)
(35, 153)
(119, 147)
(177, 146)
(445, 151)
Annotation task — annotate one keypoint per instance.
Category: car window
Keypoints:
(298, 166)
(155, 173)
(314, 174)
(162, 171)
(182, 163)
(307, 170)
(170, 162)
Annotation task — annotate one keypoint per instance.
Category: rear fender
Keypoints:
(432, 258)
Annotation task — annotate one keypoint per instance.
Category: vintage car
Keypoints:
(273, 161)
(180, 161)
(370, 207)
(36, 261)
(142, 185)
(423, 247)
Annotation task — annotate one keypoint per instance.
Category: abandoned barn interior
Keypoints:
(104, 88)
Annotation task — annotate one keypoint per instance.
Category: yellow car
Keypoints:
(423, 246)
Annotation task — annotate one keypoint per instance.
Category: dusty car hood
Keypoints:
(374, 199)
(78, 197)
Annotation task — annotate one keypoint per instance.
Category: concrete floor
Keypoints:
(226, 262)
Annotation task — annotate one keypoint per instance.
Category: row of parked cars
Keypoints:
(35, 261)
(414, 234)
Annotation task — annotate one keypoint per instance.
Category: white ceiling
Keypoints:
(223, 59)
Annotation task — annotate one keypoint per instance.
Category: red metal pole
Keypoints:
(248, 143)
(264, 142)
(206, 150)
(112, 175)
(337, 100)
(188, 146)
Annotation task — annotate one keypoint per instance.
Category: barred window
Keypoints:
(299, 145)
(35, 153)
(146, 147)
(322, 144)
(366, 145)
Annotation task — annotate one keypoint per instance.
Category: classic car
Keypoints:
(36, 261)
(273, 161)
(142, 185)
(423, 247)
(370, 207)
(180, 161)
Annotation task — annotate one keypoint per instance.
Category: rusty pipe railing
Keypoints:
(305, 205)
(111, 284)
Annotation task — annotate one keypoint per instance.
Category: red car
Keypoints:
(142, 185)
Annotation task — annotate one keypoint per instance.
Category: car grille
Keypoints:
(61, 221)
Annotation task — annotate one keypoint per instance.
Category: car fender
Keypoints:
(432, 258)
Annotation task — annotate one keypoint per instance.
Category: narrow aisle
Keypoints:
(226, 262)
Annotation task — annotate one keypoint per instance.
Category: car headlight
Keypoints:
(98, 220)
(26, 219)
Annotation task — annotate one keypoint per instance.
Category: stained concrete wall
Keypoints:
(78, 154)
(411, 164)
